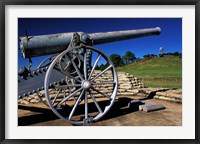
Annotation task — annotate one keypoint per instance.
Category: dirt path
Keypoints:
(119, 115)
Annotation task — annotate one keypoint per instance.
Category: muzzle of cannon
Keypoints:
(73, 85)
(33, 46)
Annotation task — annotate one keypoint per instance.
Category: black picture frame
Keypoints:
(3, 3)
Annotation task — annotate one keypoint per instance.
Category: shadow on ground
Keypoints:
(120, 107)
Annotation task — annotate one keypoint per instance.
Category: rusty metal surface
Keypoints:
(33, 46)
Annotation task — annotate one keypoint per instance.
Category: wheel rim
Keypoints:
(45, 62)
(90, 99)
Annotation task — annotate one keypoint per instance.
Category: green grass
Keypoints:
(163, 84)
(167, 67)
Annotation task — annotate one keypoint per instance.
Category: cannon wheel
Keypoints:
(90, 96)
(45, 64)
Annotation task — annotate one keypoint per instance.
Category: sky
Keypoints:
(170, 38)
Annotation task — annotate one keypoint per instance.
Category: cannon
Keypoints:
(76, 89)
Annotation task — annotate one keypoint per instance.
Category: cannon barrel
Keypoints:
(33, 46)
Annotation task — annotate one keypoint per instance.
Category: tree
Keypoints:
(149, 56)
(129, 57)
(176, 53)
(117, 60)
(97, 67)
(102, 67)
(124, 59)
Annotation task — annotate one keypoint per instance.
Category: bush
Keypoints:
(117, 60)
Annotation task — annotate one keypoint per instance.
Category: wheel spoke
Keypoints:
(97, 105)
(76, 104)
(64, 96)
(102, 83)
(101, 73)
(86, 105)
(66, 73)
(94, 66)
(72, 94)
(101, 93)
(66, 67)
(85, 66)
(74, 99)
(67, 86)
(79, 57)
(44, 61)
(67, 63)
(77, 70)
(56, 96)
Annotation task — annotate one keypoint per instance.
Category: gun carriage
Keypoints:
(71, 79)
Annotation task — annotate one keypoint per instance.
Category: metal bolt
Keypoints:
(34, 72)
(54, 83)
(38, 89)
(46, 68)
(29, 93)
(34, 91)
(24, 95)
(38, 71)
(22, 77)
(42, 88)
(51, 84)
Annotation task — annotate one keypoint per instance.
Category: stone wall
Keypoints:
(128, 86)
(169, 94)
(127, 83)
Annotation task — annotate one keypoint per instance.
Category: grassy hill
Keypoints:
(163, 71)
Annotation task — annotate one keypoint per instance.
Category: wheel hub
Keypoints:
(86, 85)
